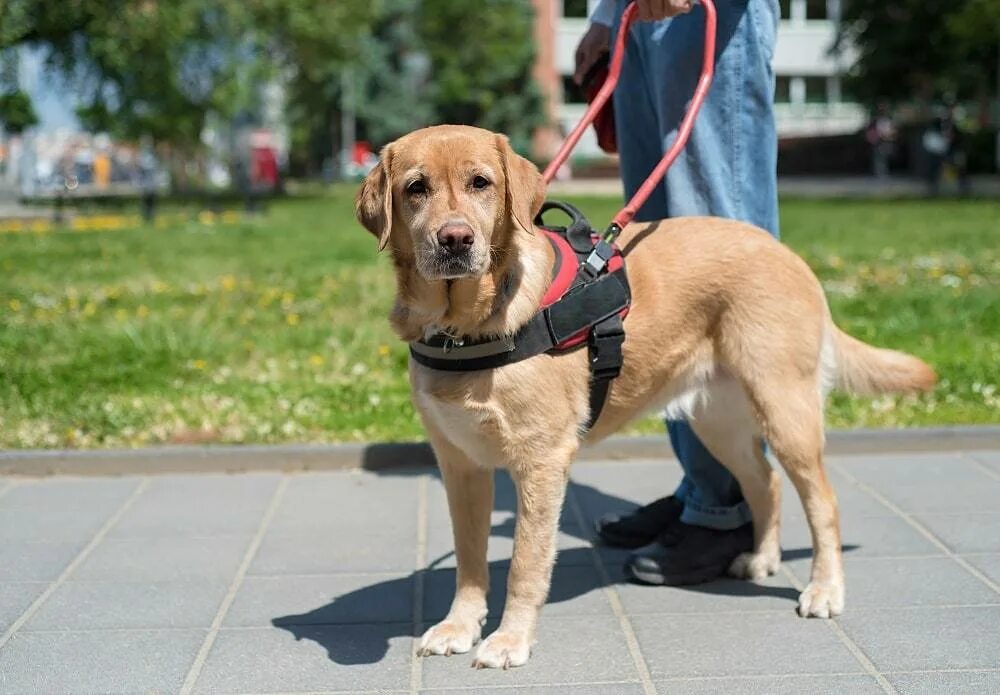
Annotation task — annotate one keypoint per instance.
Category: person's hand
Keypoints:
(594, 43)
(654, 10)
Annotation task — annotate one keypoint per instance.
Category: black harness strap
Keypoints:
(578, 310)
(605, 344)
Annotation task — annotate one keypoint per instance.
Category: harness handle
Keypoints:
(625, 215)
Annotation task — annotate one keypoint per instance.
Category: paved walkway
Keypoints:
(271, 583)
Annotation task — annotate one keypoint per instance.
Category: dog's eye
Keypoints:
(417, 187)
(480, 182)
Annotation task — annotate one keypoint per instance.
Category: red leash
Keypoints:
(626, 214)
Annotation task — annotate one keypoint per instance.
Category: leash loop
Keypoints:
(625, 215)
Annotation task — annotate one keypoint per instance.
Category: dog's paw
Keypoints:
(448, 638)
(503, 650)
(822, 600)
(754, 566)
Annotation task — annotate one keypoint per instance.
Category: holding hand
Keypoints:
(595, 43)
(654, 10)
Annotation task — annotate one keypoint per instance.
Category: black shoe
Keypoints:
(689, 555)
(642, 526)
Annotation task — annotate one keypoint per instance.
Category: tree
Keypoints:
(481, 55)
(16, 112)
(159, 67)
(391, 76)
(926, 49)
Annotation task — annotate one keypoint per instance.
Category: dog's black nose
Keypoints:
(456, 238)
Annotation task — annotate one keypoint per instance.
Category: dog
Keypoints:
(728, 328)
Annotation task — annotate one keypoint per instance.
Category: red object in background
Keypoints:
(265, 167)
(362, 152)
(604, 121)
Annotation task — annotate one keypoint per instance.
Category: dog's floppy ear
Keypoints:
(373, 206)
(525, 188)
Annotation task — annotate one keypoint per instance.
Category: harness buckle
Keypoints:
(598, 259)
(451, 342)
(605, 343)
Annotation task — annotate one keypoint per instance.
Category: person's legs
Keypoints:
(637, 125)
(640, 149)
(727, 169)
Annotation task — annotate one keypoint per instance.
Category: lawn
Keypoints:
(273, 329)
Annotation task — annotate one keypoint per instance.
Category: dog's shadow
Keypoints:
(356, 627)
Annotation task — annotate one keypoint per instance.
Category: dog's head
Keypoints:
(448, 197)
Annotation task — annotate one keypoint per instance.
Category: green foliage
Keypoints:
(390, 76)
(159, 68)
(408, 70)
(311, 43)
(922, 48)
(16, 111)
(482, 76)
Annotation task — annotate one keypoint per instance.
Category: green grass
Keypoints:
(274, 329)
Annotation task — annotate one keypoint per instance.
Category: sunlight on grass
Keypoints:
(273, 329)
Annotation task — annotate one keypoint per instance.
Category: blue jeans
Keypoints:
(727, 169)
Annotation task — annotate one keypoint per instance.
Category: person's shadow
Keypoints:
(385, 606)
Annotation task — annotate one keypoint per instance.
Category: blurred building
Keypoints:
(809, 94)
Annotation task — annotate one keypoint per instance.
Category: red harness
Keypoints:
(564, 272)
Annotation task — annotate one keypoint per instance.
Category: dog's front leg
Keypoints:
(541, 487)
(470, 501)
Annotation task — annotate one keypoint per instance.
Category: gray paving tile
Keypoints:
(77, 605)
(576, 590)
(991, 459)
(579, 689)
(163, 559)
(911, 639)
(239, 489)
(57, 524)
(569, 650)
(329, 552)
(36, 560)
(965, 533)
(573, 544)
(852, 500)
(775, 685)
(15, 599)
(879, 582)
(60, 492)
(721, 596)
(953, 683)
(863, 537)
(504, 502)
(914, 482)
(322, 600)
(308, 658)
(128, 661)
(348, 504)
(987, 564)
(747, 644)
(198, 505)
(619, 487)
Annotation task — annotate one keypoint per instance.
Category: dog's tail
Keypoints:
(864, 369)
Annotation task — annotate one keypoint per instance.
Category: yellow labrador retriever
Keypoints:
(728, 328)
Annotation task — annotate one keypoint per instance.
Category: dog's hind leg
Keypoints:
(541, 488)
(792, 417)
(470, 501)
(726, 425)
